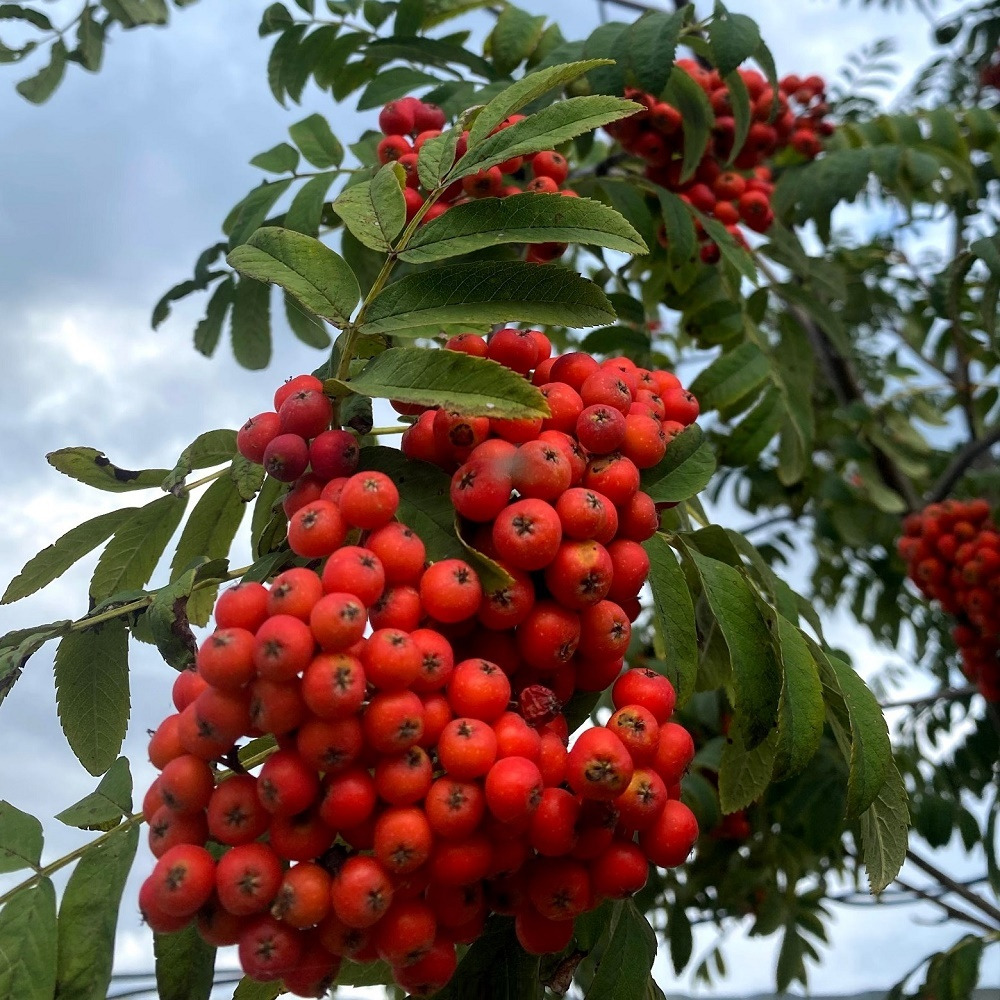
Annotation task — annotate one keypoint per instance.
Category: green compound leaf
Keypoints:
(546, 129)
(675, 621)
(528, 218)
(745, 774)
(505, 291)
(685, 470)
(93, 468)
(55, 559)
(317, 142)
(92, 693)
(732, 377)
(250, 324)
(319, 278)
(800, 717)
(106, 806)
(20, 839)
(28, 944)
(88, 915)
(733, 38)
(514, 38)
(473, 386)
(623, 970)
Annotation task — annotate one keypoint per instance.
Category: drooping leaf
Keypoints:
(623, 969)
(185, 965)
(871, 752)
(688, 97)
(319, 278)
(458, 381)
(685, 469)
(317, 142)
(514, 37)
(93, 468)
(209, 329)
(20, 839)
(106, 806)
(528, 218)
(88, 916)
(800, 717)
(49, 564)
(495, 967)
(733, 38)
(471, 293)
(756, 670)
(250, 324)
(546, 129)
(883, 831)
(652, 42)
(21, 647)
(744, 442)
(375, 211)
(40, 87)
(681, 938)
(675, 621)
(92, 693)
(129, 559)
(249, 215)
(208, 448)
(305, 213)
(745, 774)
(28, 944)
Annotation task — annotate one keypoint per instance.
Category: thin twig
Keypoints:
(972, 898)
(960, 463)
(945, 694)
(953, 912)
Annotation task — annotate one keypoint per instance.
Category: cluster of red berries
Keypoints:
(422, 779)
(952, 552)
(556, 502)
(739, 194)
(409, 122)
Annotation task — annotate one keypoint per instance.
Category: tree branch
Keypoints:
(955, 914)
(945, 694)
(974, 899)
(960, 463)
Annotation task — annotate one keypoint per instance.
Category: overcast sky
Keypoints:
(107, 194)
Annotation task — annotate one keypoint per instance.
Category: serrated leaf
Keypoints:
(248, 216)
(305, 213)
(280, 159)
(40, 87)
(375, 211)
(623, 969)
(514, 37)
(212, 526)
(675, 621)
(733, 376)
(88, 916)
(317, 142)
(20, 649)
(871, 752)
(209, 329)
(690, 100)
(472, 386)
(207, 449)
(250, 324)
(484, 292)
(92, 693)
(548, 128)
(744, 442)
(745, 774)
(685, 469)
(20, 839)
(106, 806)
(436, 158)
(93, 468)
(733, 38)
(678, 227)
(319, 278)
(28, 944)
(652, 42)
(681, 938)
(495, 967)
(425, 499)
(800, 717)
(756, 676)
(883, 831)
(49, 564)
(526, 90)
(185, 965)
(527, 218)
(129, 559)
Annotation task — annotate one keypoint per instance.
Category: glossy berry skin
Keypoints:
(599, 766)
